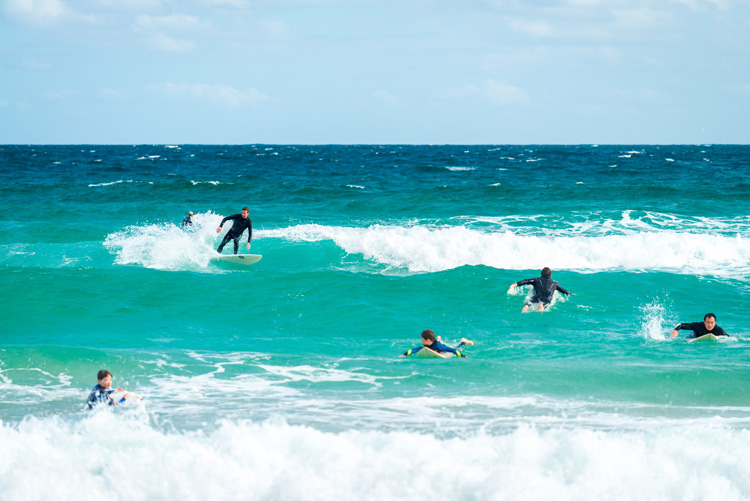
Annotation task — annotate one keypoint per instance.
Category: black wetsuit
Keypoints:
(699, 329)
(544, 289)
(187, 221)
(239, 225)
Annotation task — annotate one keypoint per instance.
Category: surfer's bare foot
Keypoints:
(466, 341)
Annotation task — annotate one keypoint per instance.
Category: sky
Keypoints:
(374, 71)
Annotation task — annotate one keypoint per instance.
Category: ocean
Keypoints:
(283, 381)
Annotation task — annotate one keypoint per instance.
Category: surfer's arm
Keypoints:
(225, 220)
(412, 351)
(559, 288)
(682, 327)
(249, 231)
(440, 347)
(718, 331)
(528, 281)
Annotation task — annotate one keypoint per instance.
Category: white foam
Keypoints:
(166, 246)
(119, 456)
(460, 169)
(431, 249)
(656, 322)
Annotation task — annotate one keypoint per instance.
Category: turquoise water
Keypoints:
(282, 380)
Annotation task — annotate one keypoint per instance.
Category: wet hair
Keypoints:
(102, 374)
(245, 208)
(709, 315)
(546, 272)
(428, 335)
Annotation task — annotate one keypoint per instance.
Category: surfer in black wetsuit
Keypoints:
(188, 221)
(708, 326)
(544, 289)
(240, 223)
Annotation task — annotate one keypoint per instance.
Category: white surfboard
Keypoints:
(237, 258)
(428, 353)
(704, 337)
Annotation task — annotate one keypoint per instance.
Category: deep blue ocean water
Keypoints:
(282, 380)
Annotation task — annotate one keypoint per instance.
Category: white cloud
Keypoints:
(531, 28)
(165, 43)
(237, 4)
(498, 93)
(37, 11)
(222, 94)
(635, 19)
(275, 29)
(174, 22)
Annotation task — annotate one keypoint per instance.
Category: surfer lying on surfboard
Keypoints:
(429, 342)
(102, 392)
(544, 290)
(708, 326)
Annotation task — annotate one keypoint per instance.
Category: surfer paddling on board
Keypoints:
(708, 326)
(102, 392)
(429, 341)
(544, 290)
(240, 223)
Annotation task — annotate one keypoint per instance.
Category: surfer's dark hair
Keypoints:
(102, 374)
(546, 272)
(245, 208)
(428, 335)
(707, 315)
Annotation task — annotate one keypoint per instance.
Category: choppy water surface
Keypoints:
(282, 380)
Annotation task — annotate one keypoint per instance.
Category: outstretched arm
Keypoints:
(560, 289)
(679, 327)
(411, 352)
(218, 230)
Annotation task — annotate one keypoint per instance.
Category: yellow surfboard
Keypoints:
(428, 353)
(704, 337)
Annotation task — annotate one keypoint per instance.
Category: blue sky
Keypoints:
(361, 71)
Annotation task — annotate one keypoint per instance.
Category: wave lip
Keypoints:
(433, 249)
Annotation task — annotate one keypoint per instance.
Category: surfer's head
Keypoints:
(546, 272)
(428, 337)
(709, 320)
(105, 378)
(245, 212)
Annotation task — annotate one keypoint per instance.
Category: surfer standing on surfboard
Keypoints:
(240, 223)
(708, 326)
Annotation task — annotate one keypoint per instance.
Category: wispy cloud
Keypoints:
(180, 22)
(216, 93)
(37, 11)
(162, 42)
(275, 29)
(532, 28)
(498, 93)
